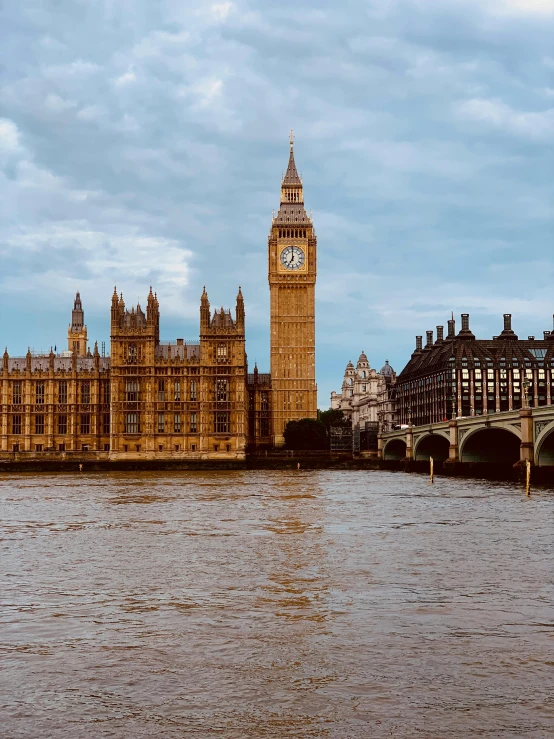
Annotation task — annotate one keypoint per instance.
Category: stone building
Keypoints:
(292, 269)
(176, 400)
(459, 375)
(367, 396)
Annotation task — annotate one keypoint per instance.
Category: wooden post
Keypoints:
(431, 474)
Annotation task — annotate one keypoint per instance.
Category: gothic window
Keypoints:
(221, 352)
(39, 424)
(177, 390)
(161, 390)
(62, 424)
(265, 401)
(193, 389)
(221, 389)
(16, 393)
(131, 423)
(85, 392)
(85, 423)
(16, 424)
(132, 353)
(221, 422)
(39, 393)
(193, 423)
(62, 391)
(106, 423)
(161, 423)
(264, 427)
(177, 423)
(105, 391)
(350, 381)
(131, 391)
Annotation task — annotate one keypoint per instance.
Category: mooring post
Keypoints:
(528, 477)
(431, 474)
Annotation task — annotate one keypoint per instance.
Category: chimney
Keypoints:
(429, 339)
(179, 342)
(418, 343)
(440, 334)
(546, 334)
(507, 333)
(451, 328)
(465, 333)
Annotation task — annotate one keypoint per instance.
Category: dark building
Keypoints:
(459, 375)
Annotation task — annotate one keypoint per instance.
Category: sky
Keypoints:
(143, 143)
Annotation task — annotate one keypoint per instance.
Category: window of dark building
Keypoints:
(61, 447)
(193, 447)
(161, 390)
(15, 447)
(85, 423)
(16, 393)
(176, 423)
(16, 424)
(221, 352)
(39, 424)
(221, 422)
(105, 423)
(193, 389)
(62, 424)
(193, 428)
(38, 447)
(131, 423)
(264, 427)
(265, 401)
(39, 393)
(85, 392)
(62, 391)
(177, 390)
(132, 353)
(161, 423)
(106, 447)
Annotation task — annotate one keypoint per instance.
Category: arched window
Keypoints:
(363, 374)
(350, 381)
(222, 351)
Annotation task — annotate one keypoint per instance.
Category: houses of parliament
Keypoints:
(176, 400)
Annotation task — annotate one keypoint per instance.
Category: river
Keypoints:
(336, 604)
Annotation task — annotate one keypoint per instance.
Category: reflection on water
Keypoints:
(274, 604)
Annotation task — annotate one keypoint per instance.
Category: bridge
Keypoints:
(507, 438)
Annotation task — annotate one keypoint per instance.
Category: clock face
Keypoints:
(292, 257)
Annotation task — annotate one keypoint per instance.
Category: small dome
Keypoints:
(387, 370)
(362, 360)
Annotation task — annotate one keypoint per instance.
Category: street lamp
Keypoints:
(409, 413)
(525, 393)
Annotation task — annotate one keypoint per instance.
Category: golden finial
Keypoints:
(291, 138)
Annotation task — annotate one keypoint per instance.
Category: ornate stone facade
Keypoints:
(292, 255)
(176, 400)
(367, 396)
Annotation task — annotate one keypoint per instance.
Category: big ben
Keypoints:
(292, 268)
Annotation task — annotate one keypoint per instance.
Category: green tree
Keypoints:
(332, 417)
(307, 433)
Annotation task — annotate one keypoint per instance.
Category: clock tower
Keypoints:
(292, 252)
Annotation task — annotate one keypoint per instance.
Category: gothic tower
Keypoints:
(77, 331)
(292, 253)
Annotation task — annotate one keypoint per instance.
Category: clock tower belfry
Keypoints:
(292, 253)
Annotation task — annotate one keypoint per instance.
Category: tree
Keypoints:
(332, 417)
(307, 433)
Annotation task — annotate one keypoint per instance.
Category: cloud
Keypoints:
(526, 7)
(496, 113)
(148, 146)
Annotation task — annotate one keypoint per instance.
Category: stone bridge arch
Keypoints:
(395, 449)
(436, 445)
(499, 444)
(544, 443)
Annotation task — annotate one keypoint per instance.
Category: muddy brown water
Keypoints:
(274, 604)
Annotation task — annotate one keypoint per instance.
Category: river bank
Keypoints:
(276, 461)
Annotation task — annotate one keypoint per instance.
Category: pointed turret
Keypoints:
(204, 310)
(240, 309)
(292, 209)
(6, 357)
